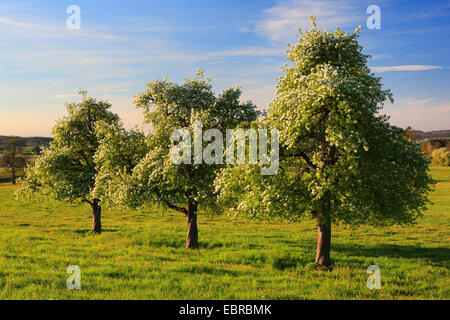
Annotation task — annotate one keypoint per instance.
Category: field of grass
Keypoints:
(140, 255)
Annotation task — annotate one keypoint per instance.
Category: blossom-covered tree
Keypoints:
(156, 177)
(67, 170)
(340, 159)
(119, 152)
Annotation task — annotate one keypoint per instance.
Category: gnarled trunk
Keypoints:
(323, 239)
(96, 216)
(192, 232)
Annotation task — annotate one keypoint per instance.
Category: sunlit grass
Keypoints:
(140, 255)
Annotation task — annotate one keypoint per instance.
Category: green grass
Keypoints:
(140, 255)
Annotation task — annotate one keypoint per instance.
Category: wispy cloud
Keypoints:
(442, 10)
(63, 96)
(415, 102)
(281, 21)
(174, 54)
(52, 31)
(248, 52)
(405, 68)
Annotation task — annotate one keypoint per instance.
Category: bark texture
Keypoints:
(323, 239)
(96, 217)
(192, 232)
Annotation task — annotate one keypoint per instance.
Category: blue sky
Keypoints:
(124, 44)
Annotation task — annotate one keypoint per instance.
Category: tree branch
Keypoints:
(87, 201)
(307, 159)
(174, 207)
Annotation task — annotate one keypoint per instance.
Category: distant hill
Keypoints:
(31, 141)
(45, 141)
(431, 134)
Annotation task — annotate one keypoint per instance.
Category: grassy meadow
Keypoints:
(140, 255)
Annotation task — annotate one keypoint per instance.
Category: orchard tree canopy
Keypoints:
(340, 159)
(67, 170)
(119, 152)
(183, 187)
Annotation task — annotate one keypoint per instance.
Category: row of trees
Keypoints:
(340, 161)
(12, 157)
(17, 152)
(93, 159)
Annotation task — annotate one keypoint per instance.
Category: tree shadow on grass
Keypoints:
(210, 245)
(166, 243)
(5, 180)
(85, 231)
(205, 245)
(439, 180)
(210, 270)
(439, 256)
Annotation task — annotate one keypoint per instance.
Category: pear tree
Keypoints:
(340, 159)
(67, 170)
(177, 115)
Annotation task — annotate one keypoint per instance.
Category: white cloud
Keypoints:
(282, 21)
(405, 68)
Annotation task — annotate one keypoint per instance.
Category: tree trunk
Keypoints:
(13, 173)
(192, 233)
(96, 216)
(323, 239)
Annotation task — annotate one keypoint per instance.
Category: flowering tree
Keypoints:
(341, 161)
(154, 174)
(67, 170)
(119, 152)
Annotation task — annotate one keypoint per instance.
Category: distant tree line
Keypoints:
(435, 149)
(421, 135)
(31, 142)
(11, 156)
(17, 152)
(429, 145)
